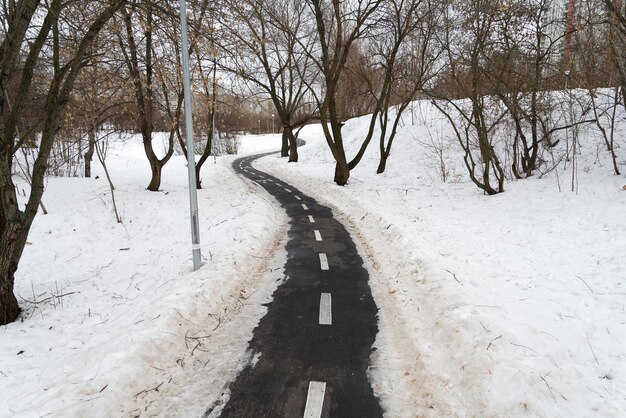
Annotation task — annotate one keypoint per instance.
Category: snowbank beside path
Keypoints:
(115, 322)
(257, 144)
(511, 305)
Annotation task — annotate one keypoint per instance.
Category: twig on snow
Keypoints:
(549, 388)
(588, 287)
(219, 322)
(132, 278)
(73, 258)
(550, 335)
(491, 342)
(454, 275)
(523, 346)
(37, 302)
(154, 389)
(592, 352)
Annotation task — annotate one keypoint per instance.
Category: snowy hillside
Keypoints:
(115, 322)
(511, 305)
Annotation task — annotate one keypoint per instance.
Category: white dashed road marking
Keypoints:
(318, 236)
(326, 312)
(305, 207)
(311, 219)
(315, 400)
(298, 198)
(288, 191)
(324, 261)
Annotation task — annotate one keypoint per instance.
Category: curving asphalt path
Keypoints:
(315, 340)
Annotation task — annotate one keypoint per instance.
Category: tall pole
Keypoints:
(273, 124)
(191, 158)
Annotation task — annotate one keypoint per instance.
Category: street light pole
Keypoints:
(567, 73)
(259, 126)
(273, 124)
(191, 158)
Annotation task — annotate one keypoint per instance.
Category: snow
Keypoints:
(115, 322)
(256, 144)
(510, 305)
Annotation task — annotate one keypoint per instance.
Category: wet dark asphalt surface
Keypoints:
(295, 349)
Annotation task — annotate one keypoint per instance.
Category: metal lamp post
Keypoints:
(191, 158)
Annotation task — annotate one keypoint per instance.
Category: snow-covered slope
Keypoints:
(510, 305)
(115, 322)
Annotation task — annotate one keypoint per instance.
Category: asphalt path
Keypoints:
(316, 338)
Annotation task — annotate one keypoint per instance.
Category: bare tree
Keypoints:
(470, 25)
(598, 73)
(268, 48)
(138, 51)
(33, 31)
(98, 96)
(407, 55)
(354, 89)
(522, 67)
(203, 48)
(338, 25)
(400, 57)
(617, 20)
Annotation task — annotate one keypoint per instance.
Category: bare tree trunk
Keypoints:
(155, 180)
(144, 90)
(293, 144)
(342, 173)
(90, 150)
(198, 180)
(111, 186)
(208, 150)
(382, 165)
(608, 136)
(384, 152)
(284, 150)
(9, 308)
(156, 165)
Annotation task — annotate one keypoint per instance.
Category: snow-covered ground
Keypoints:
(115, 322)
(510, 305)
